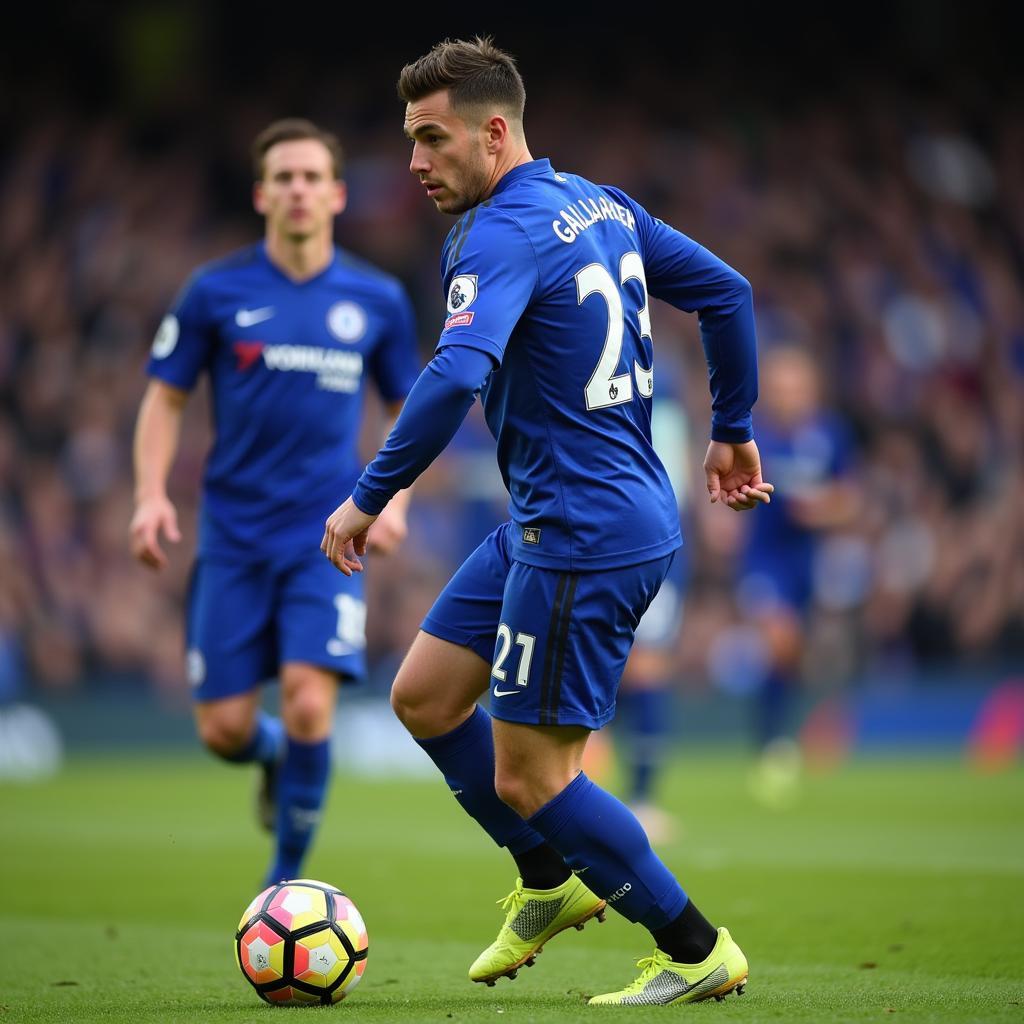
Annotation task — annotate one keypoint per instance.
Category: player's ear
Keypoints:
(258, 199)
(496, 132)
(340, 200)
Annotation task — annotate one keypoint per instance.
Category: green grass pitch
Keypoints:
(893, 891)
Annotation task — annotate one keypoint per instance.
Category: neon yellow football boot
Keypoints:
(662, 981)
(534, 916)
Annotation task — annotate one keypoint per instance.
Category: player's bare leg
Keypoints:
(235, 729)
(437, 686)
(435, 696)
(225, 726)
(308, 697)
(294, 789)
(534, 763)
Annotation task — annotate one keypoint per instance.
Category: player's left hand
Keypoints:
(345, 536)
(734, 478)
(390, 529)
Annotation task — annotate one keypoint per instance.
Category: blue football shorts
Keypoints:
(557, 641)
(768, 584)
(659, 628)
(244, 620)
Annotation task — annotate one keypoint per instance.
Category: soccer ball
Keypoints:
(302, 942)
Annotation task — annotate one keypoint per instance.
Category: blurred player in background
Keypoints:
(810, 454)
(643, 724)
(288, 331)
(547, 277)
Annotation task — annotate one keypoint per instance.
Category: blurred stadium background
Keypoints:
(863, 166)
(864, 170)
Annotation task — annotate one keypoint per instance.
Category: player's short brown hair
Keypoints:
(476, 74)
(291, 129)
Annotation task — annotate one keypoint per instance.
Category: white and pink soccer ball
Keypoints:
(302, 942)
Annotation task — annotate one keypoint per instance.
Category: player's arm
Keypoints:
(391, 527)
(179, 353)
(157, 432)
(433, 412)
(689, 277)
(490, 279)
(394, 365)
(693, 279)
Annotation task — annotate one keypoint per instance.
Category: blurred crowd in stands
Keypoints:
(882, 231)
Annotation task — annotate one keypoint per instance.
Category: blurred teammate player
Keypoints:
(288, 330)
(547, 278)
(643, 724)
(809, 451)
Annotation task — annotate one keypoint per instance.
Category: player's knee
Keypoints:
(422, 712)
(526, 786)
(307, 715)
(400, 704)
(510, 789)
(519, 791)
(224, 735)
(308, 696)
(410, 707)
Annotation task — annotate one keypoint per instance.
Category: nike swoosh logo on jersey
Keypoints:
(504, 693)
(251, 317)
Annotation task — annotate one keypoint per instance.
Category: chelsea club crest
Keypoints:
(346, 321)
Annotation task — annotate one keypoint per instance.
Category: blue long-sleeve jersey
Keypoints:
(551, 277)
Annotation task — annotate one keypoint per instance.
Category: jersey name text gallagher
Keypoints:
(578, 216)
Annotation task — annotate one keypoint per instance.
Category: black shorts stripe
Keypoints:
(563, 643)
(558, 641)
(549, 651)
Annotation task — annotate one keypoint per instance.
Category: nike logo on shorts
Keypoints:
(251, 317)
(504, 693)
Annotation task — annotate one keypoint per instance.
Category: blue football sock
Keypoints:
(772, 709)
(265, 745)
(647, 715)
(301, 786)
(599, 835)
(465, 757)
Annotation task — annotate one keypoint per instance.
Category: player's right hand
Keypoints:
(153, 516)
(345, 536)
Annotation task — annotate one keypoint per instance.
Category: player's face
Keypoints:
(449, 156)
(789, 385)
(299, 195)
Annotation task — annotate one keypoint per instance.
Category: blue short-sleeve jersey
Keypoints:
(551, 276)
(287, 363)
